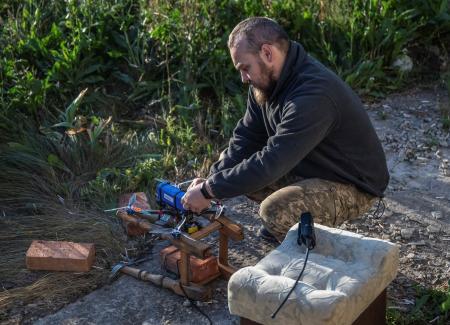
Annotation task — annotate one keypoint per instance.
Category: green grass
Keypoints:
(431, 305)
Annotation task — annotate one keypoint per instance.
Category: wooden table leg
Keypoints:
(375, 314)
(184, 268)
(223, 248)
(224, 267)
(246, 321)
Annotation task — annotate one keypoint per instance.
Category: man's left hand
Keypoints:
(194, 200)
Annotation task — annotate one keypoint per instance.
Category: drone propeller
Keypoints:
(161, 231)
(132, 200)
(109, 210)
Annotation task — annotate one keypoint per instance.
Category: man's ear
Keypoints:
(266, 53)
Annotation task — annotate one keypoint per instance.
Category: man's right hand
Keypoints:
(195, 182)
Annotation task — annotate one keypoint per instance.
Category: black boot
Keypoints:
(266, 235)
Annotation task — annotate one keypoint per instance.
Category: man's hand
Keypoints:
(194, 200)
(195, 182)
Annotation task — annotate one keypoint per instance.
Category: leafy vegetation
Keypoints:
(99, 98)
(431, 306)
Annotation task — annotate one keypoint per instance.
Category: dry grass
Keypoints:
(57, 223)
(42, 181)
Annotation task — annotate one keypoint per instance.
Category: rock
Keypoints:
(407, 233)
(200, 304)
(432, 229)
(418, 243)
(410, 256)
(186, 303)
(436, 214)
(32, 305)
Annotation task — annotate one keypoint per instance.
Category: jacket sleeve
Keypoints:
(249, 136)
(305, 122)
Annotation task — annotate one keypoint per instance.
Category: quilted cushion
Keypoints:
(345, 272)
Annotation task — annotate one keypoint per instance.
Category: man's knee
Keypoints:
(276, 212)
(287, 204)
(274, 204)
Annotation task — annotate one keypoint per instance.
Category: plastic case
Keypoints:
(168, 194)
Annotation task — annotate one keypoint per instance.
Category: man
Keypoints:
(305, 142)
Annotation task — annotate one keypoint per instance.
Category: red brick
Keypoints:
(141, 202)
(60, 256)
(201, 270)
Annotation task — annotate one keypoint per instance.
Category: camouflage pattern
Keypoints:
(330, 203)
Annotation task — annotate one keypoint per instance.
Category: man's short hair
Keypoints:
(257, 31)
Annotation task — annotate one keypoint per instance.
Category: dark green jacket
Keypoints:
(313, 125)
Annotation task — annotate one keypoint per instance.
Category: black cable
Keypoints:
(193, 303)
(293, 287)
(384, 208)
(377, 213)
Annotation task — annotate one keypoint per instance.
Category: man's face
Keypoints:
(255, 72)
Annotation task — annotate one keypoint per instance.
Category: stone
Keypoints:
(432, 229)
(418, 243)
(410, 256)
(407, 233)
(436, 214)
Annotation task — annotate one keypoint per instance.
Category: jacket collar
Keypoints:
(294, 58)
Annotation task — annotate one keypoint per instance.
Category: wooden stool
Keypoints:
(344, 281)
(191, 245)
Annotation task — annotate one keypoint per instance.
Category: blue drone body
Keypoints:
(169, 195)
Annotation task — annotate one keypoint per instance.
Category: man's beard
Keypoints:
(262, 93)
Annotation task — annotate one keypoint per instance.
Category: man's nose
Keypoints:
(245, 77)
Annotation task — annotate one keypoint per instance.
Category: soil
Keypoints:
(416, 217)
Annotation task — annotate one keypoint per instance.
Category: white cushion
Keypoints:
(345, 272)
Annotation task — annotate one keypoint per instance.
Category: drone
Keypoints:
(172, 216)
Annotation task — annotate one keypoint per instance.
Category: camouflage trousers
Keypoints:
(330, 203)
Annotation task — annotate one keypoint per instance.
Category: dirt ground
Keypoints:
(417, 217)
